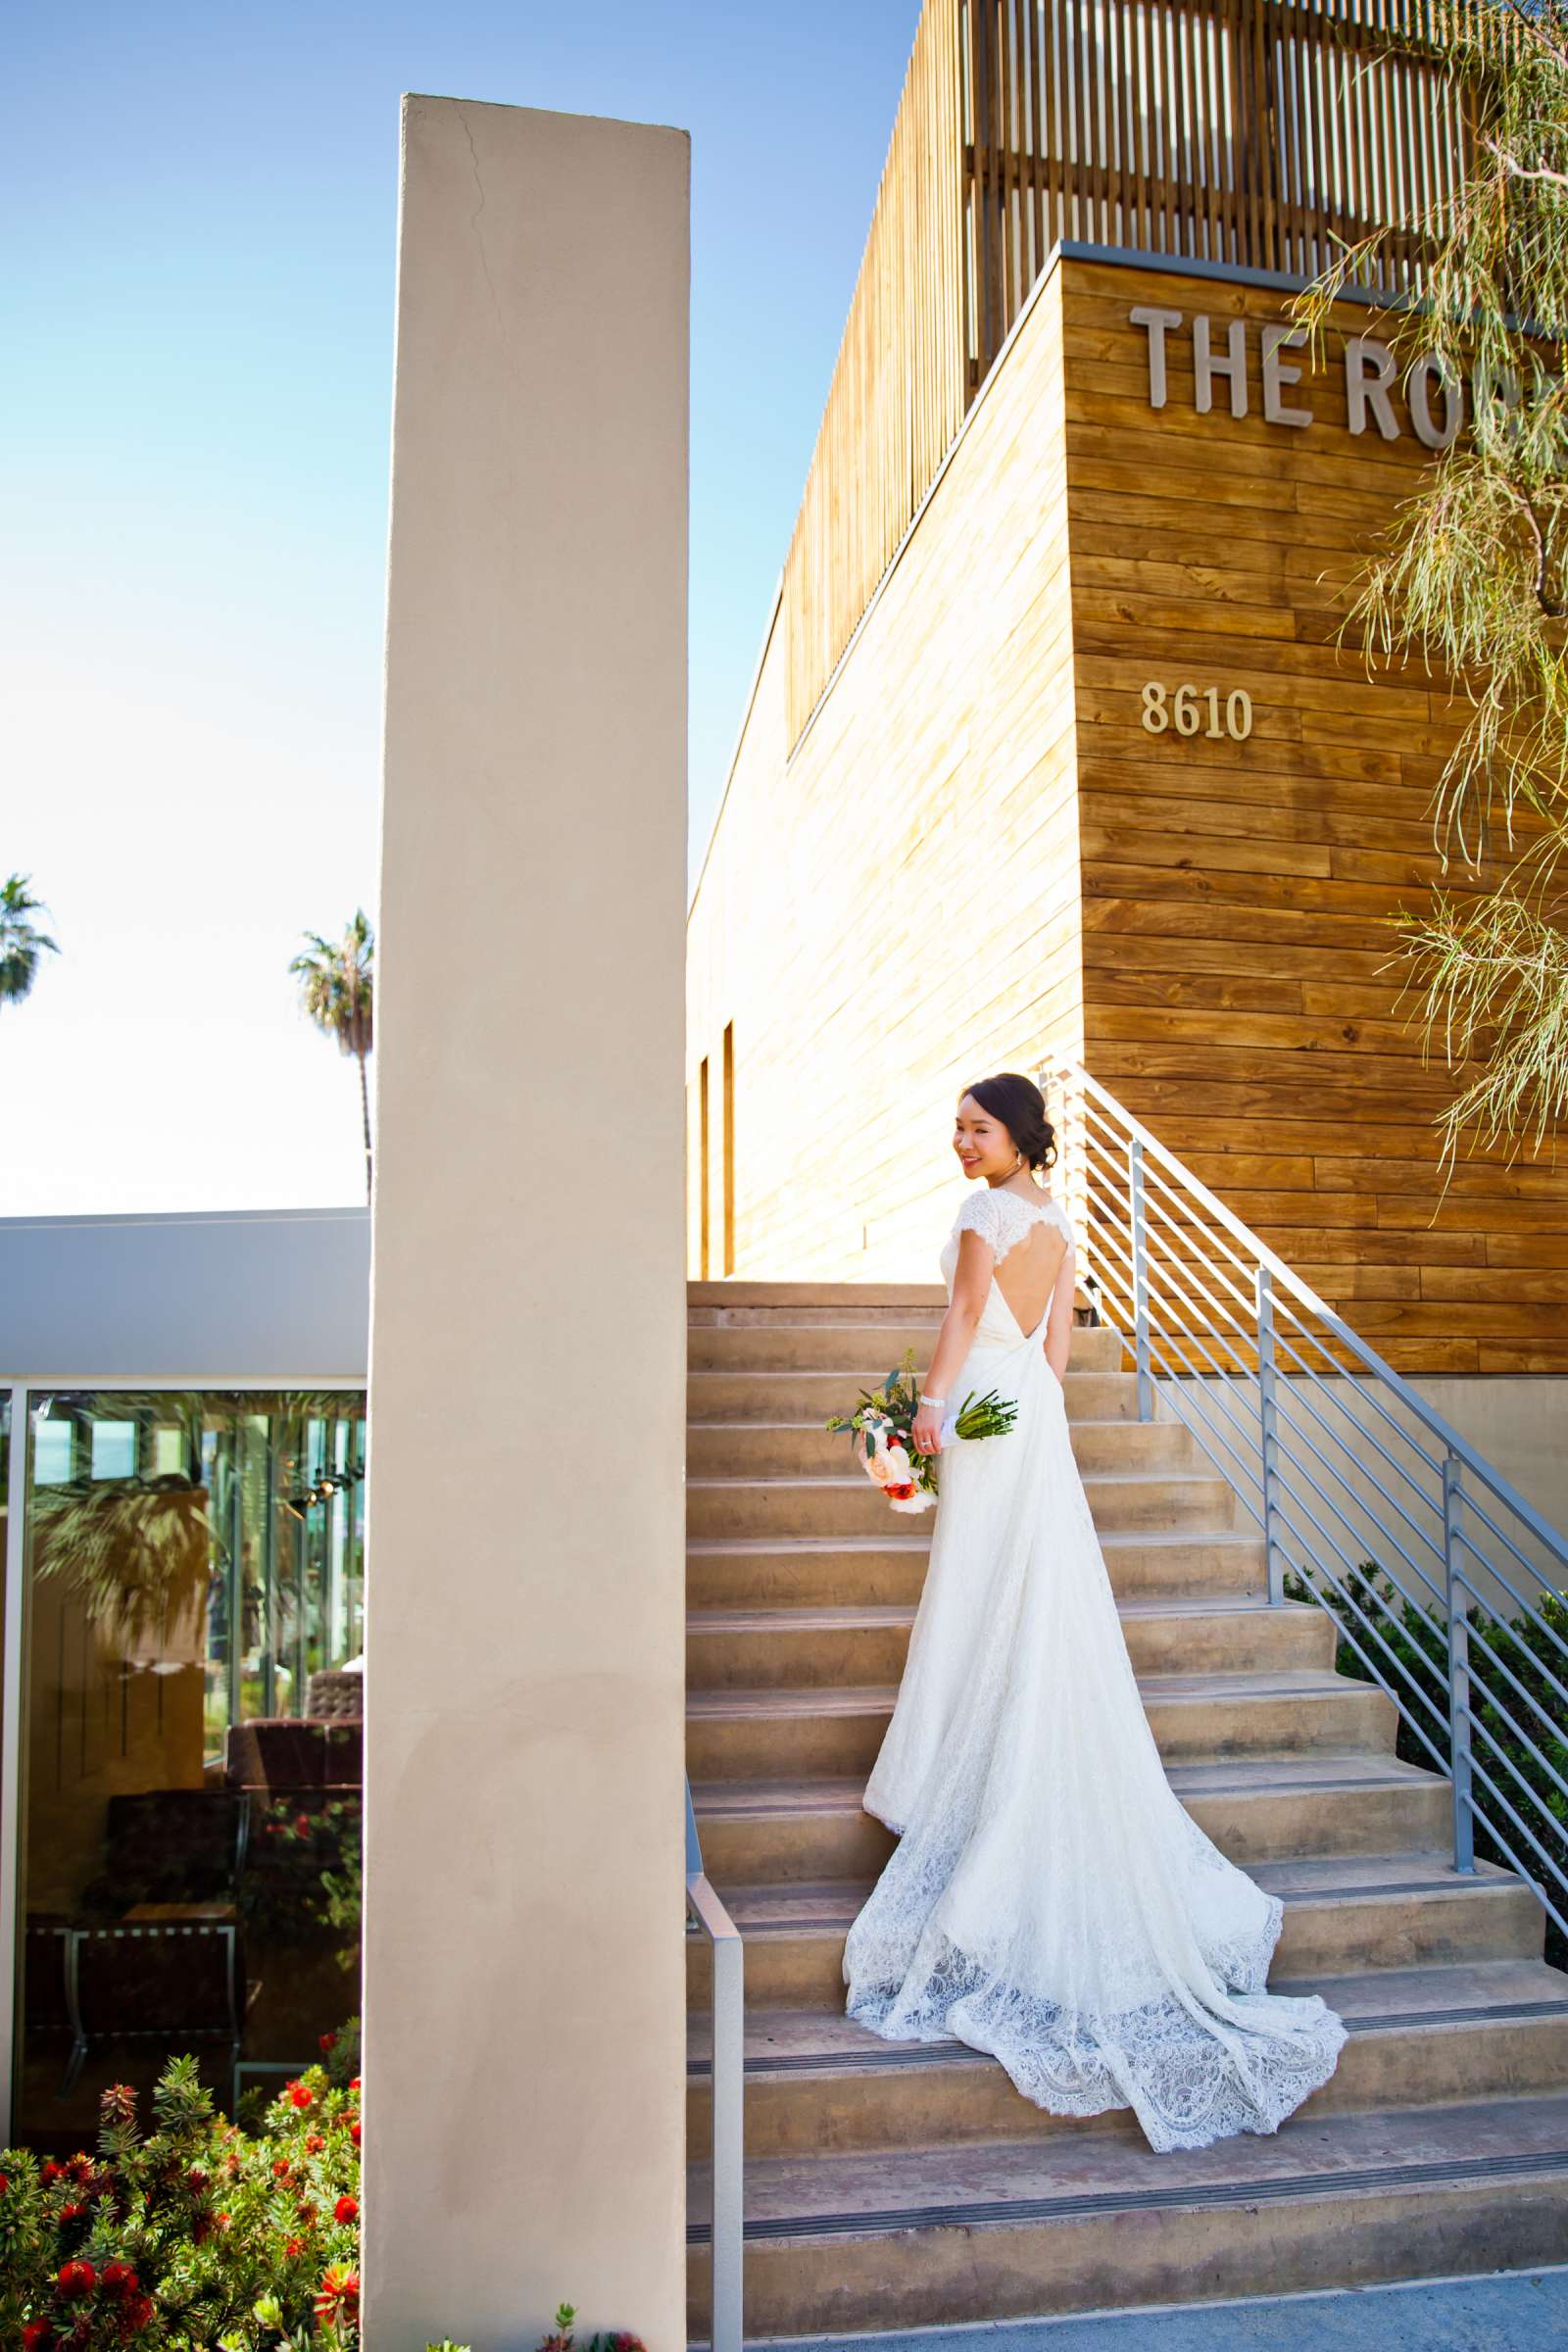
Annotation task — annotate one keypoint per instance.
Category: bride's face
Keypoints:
(982, 1143)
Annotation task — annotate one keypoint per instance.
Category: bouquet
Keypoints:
(879, 1432)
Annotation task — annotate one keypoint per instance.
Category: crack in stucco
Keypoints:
(474, 224)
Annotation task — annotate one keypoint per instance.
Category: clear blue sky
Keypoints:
(196, 301)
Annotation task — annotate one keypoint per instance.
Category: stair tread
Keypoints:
(857, 1616)
(1314, 1768)
(787, 1546)
(872, 1698)
(1204, 1474)
(788, 1907)
(1458, 1993)
(997, 2181)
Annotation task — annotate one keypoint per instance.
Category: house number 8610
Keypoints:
(1187, 709)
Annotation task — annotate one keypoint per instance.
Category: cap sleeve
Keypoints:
(980, 1213)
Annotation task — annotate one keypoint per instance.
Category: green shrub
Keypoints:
(205, 2236)
(1518, 1643)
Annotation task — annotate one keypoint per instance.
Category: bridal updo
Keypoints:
(1020, 1104)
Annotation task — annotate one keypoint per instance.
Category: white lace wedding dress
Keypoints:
(1050, 1900)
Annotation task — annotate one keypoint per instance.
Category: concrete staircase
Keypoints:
(894, 2186)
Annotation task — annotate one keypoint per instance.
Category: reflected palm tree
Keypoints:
(22, 946)
(337, 989)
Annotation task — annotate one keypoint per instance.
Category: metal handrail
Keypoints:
(1353, 1480)
(727, 2092)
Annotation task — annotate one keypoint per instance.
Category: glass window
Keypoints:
(114, 1449)
(190, 1871)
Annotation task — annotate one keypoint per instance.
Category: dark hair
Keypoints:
(1020, 1104)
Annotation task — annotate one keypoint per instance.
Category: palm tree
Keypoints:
(338, 992)
(22, 944)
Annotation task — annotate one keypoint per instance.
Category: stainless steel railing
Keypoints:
(1447, 1583)
(727, 2091)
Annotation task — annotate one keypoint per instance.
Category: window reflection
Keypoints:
(190, 1867)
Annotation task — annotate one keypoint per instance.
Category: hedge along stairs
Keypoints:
(893, 2185)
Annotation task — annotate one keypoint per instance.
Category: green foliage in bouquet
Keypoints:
(890, 1411)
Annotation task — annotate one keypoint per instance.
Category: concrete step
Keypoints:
(1195, 1501)
(867, 1352)
(814, 1396)
(778, 1734)
(1087, 2220)
(1342, 1912)
(801, 1448)
(708, 1297)
(888, 1566)
(765, 1649)
(1422, 2036)
(1255, 1808)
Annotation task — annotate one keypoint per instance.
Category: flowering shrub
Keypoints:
(200, 2237)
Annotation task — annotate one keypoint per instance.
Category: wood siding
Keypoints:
(1235, 893)
(1249, 133)
(978, 855)
(895, 911)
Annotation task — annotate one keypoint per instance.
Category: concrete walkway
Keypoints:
(1509, 2311)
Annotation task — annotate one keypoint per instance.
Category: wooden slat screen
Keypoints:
(1252, 133)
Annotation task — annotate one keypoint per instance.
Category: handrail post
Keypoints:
(1138, 1219)
(1269, 1435)
(726, 2092)
(1464, 1828)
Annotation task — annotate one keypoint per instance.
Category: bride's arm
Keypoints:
(1058, 1323)
(972, 1285)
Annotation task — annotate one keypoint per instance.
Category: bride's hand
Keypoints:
(925, 1429)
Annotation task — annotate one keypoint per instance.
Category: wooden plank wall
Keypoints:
(900, 384)
(1252, 133)
(894, 910)
(1233, 891)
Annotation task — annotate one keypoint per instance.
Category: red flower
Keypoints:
(305, 2211)
(354, 2085)
(5, 2185)
(354, 2134)
(329, 2041)
(299, 2094)
(119, 2277)
(37, 2336)
(139, 2314)
(347, 2209)
(77, 2278)
(50, 2171)
(338, 2297)
(313, 2143)
(195, 2180)
(281, 2169)
(71, 2213)
(293, 2248)
(302, 1821)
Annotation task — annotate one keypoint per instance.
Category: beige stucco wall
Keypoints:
(524, 1994)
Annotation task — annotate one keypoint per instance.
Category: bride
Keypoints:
(1050, 1899)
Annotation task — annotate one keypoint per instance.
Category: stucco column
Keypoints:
(524, 2073)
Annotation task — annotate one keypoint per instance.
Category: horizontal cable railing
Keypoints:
(1445, 1582)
